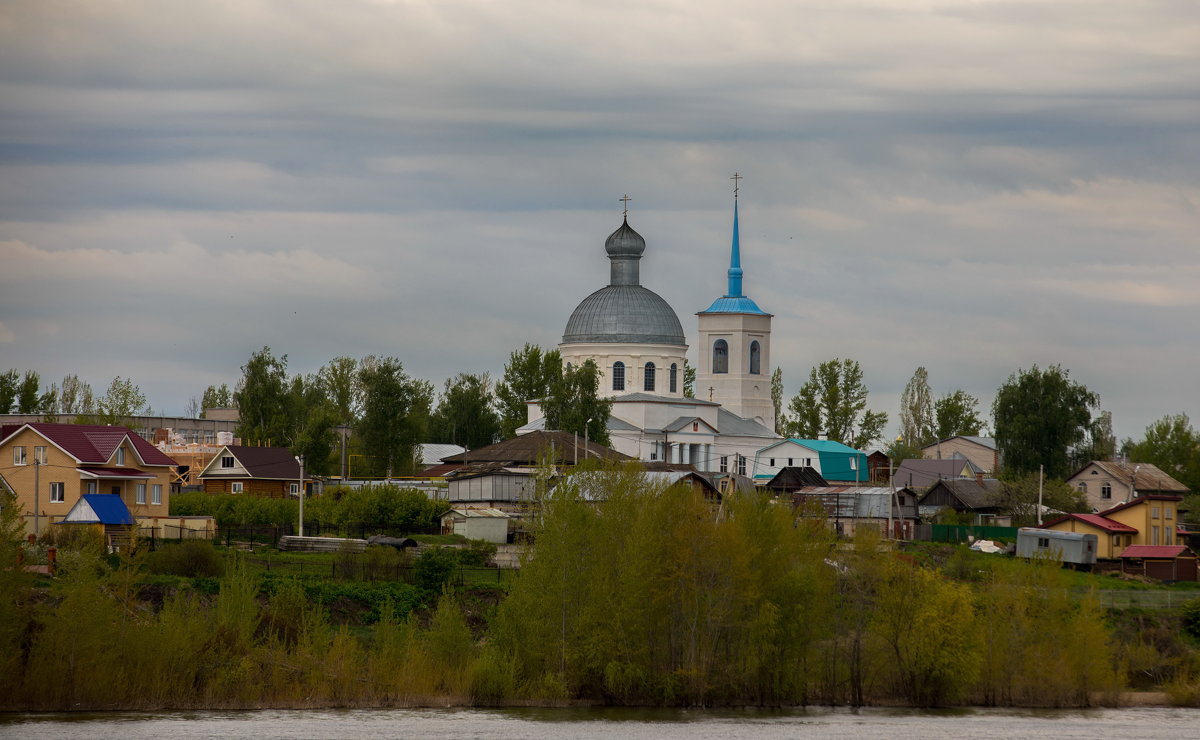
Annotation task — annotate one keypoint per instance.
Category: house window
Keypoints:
(141, 493)
(1168, 512)
(39, 455)
(808, 462)
(237, 486)
(58, 493)
(119, 457)
(674, 377)
(1106, 490)
(649, 384)
(1153, 512)
(1043, 542)
(618, 376)
(1154, 535)
(789, 462)
(19, 456)
(724, 463)
(227, 461)
(91, 487)
(1082, 486)
(294, 489)
(771, 461)
(741, 465)
(654, 451)
(720, 361)
(755, 358)
(156, 494)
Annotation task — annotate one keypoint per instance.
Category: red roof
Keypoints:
(115, 472)
(1156, 551)
(92, 443)
(1141, 500)
(1108, 525)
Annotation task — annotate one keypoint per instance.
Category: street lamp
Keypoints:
(586, 428)
(300, 459)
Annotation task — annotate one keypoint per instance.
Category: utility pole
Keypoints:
(300, 459)
(1041, 479)
(37, 485)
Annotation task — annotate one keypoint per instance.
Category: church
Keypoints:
(636, 340)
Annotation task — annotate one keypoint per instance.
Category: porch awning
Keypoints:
(113, 473)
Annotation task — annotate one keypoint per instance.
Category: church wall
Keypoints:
(635, 357)
(746, 395)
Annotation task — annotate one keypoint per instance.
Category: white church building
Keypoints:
(635, 338)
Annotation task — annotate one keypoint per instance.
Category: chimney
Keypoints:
(979, 477)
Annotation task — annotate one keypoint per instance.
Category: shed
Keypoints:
(1164, 562)
(490, 525)
(1070, 547)
(105, 511)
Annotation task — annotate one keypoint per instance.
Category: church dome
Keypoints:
(627, 314)
(625, 242)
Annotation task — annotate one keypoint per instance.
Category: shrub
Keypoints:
(434, 568)
(477, 554)
(1190, 618)
(190, 558)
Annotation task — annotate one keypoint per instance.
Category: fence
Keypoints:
(259, 535)
(362, 568)
(1145, 599)
(966, 533)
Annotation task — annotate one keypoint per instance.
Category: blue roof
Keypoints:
(108, 507)
(733, 301)
(835, 459)
(732, 304)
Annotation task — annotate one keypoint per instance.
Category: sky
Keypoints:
(970, 186)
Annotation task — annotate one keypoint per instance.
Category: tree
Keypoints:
(574, 404)
(340, 381)
(218, 398)
(916, 410)
(689, 380)
(1174, 446)
(834, 402)
(193, 409)
(955, 414)
(777, 400)
(261, 399)
(466, 415)
(527, 377)
(1039, 417)
(28, 393)
(1101, 443)
(310, 424)
(8, 390)
(1019, 499)
(122, 400)
(75, 396)
(395, 415)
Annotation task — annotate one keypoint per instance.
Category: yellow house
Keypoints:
(1146, 520)
(50, 466)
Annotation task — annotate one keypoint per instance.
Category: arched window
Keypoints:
(618, 376)
(674, 377)
(755, 358)
(720, 356)
(649, 385)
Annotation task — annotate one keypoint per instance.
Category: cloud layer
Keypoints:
(971, 186)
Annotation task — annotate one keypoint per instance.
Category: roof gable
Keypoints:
(99, 508)
(270, 463)
(1141, 476)
(531, 448)
(93, 443)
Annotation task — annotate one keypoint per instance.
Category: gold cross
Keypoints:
(736, 177)
(625, 199)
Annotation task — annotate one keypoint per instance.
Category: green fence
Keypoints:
(963, 533)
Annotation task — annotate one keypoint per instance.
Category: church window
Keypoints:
(755, 358)
(720, 363)
(618, 376)
(649, 384)
(724, 463)
(674, 377)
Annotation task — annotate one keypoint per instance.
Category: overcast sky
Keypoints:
(970, 186)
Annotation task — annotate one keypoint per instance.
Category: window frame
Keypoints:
(649, 370)
(155, 494)
(674, 380)
(755, 358)
(618, 376)
(140, 494)
(1106, 490)
(237, 486)
(39, 454)
(61, 496)
(724, 466)
(720, 357)
(227, 461)
(19, 455)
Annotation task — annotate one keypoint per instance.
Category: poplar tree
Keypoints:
(833, 402)
(916, 410)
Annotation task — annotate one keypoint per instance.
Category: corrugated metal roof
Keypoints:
(1096, 520)
(732, 425)
(92, 443)
(120, 473)
(99, 508)
(1143, 476)
(1156, 551)
(432, 453)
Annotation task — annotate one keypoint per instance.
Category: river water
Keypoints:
(632, 724)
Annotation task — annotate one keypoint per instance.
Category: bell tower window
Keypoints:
(674, 377)
(649, 384)
(618, 376)
(755, 358)
(720, 359)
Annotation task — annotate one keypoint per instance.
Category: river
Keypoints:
(627, 724)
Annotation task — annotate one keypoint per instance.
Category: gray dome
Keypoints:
(625, 242)
(627, 314)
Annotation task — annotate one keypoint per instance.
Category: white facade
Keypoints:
(743, 385)
(667, 359)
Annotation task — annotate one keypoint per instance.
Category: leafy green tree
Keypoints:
(395, 415)
(1100, 443)
(29, 393)
(311, 422)
(834, 402)
(262, 399)
(689, 380)
(339, 378)
(122, 400)
(574, 403)
(1040, 416)
(955, 414)
(916, 410)
(1174, 446)
(1019, 498)
(221, 397)
(466, 415)
(8, 390)
(900, 449)
(777, 400)
(528, 376)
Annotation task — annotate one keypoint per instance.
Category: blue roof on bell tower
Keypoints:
(733, 301)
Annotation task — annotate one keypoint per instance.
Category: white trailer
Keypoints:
(1074, 548)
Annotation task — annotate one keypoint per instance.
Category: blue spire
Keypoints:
(735, 260)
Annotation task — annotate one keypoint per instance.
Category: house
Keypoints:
(491, 485)
(924, 473)
(490, 525)
(833, 461)
(1146, 520)
(795, 478)
(879, 465)
(980, 498)
(1107, 482)
(271, 472)
(981, 451)
(50, 466)
(892, 513)
(1164, 562)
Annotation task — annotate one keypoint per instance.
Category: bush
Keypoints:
(477, 554)
(190, 558)
(435, 566)
(1190, 618)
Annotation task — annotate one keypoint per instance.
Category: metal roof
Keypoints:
(1155, 551)
(734, 304)
(732, 425)
(91, 443)
(624, 314)
(99, 508)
